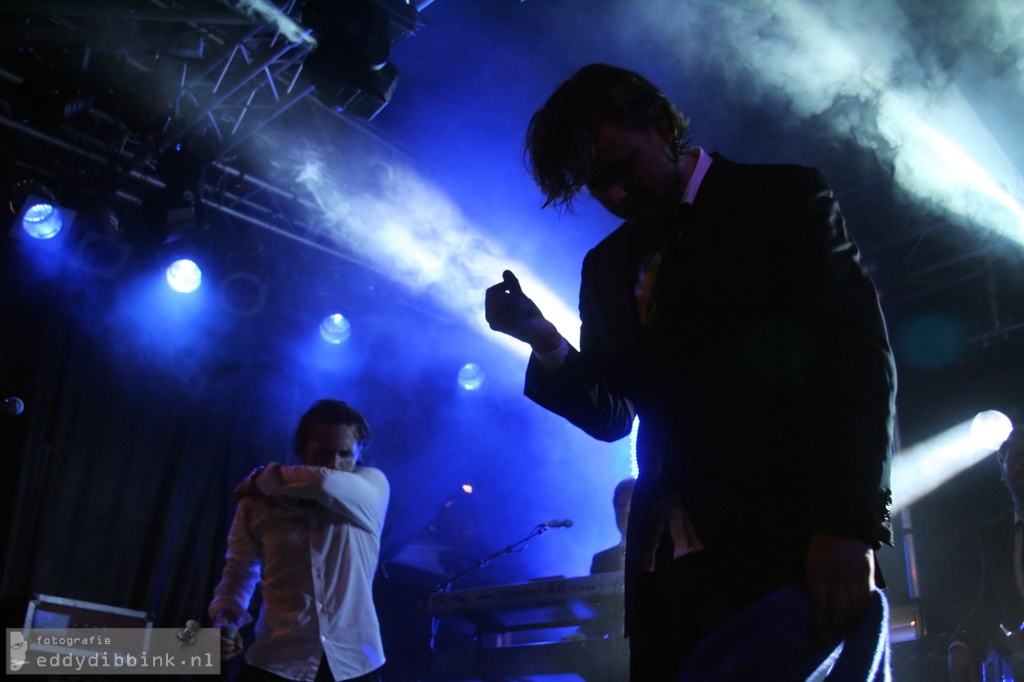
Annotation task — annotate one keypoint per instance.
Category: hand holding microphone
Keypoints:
(230, 639)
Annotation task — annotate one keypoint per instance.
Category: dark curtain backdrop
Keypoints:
(117, 474)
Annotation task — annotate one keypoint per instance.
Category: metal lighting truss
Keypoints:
(149, 77)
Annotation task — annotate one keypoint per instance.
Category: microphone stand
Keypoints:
(515, 547)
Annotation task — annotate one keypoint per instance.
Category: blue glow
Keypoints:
(42, 221)
(634, 468)
(424, 241)
(184, 276)
(472, 376)
(335, 329)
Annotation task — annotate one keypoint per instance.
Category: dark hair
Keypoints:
(561, 135)
(329, 411)
(1009, 444)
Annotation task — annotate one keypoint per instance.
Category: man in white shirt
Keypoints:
(309, 535)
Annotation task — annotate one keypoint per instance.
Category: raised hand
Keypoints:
(509, 311)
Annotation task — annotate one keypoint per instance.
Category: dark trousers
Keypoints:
(679, 605)
(251, 673)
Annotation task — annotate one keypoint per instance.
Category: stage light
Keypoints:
(48, 102)
(184, 275)
(990, 428)
(335, 329)
(921, 468)
(471, 376)
(187, 248)
(41, 219)
(349, 65)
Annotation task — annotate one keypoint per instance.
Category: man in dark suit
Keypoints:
(1000, 603)
(732, 314)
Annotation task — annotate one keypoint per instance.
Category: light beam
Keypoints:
(922, 468)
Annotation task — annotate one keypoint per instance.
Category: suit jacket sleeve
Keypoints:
(587, 388)
(850, 374)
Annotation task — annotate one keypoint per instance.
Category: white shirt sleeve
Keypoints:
(360, 496)
(241, 568)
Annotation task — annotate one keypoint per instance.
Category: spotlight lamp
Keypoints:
(335, 329)
(42, 220)
(350, 64)
(990, 428)
(186, 256)
(471, 376)
(184, 275)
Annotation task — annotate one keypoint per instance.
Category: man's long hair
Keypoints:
(561, 135)
(330, 411)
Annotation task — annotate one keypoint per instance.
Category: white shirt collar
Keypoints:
(693, 184)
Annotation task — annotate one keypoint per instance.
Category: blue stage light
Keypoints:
(472, 376)
(184, 275)
(335, 328)
(42, 220)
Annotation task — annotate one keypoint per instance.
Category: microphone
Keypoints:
(10, 407)
(564, 523)
(188, 635)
